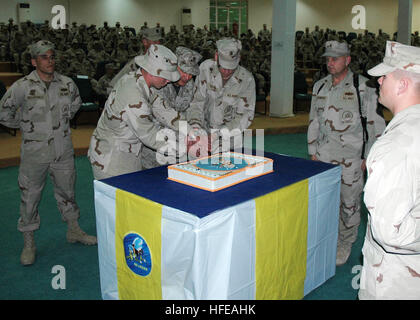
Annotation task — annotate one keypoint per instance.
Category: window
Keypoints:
(226, 13)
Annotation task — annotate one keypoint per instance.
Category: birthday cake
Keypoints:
(220, 171)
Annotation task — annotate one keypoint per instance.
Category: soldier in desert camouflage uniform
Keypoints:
(17, 45)
(335, 135)
(25, 61)
(41, 105)
(74, 49)
(97, 55)
(118, 29)
(416, 39)
(120, 54)
(133, 48)
(4, 35)
(81, 66)
(170, 103)
(224, 101)
(316, 36)
(126, 124)
(359, 59)
(264, 34)
(391, 251)
(150, 36)
(171, 38)
(144, 26)
(104, 30)
(3, 53)
(103, 87)
(62, 62)
(307, 51)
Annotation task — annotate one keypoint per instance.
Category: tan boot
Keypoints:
(29, 250)
(75, 234)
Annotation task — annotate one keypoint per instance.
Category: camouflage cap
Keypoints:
(188, 60)
(153, 34)
(229, 52)
(336, 49)
(41, 47)
(398, 56)
(159, 61)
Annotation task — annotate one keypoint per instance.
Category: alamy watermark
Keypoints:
(355, 281)
(59, 20)
(59, 280)
(359, 20)
(178, 145)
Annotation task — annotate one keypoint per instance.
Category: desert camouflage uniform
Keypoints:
(43, 116)
(97, 55)
(359, 59)
(130, 66)
(81, 66)
(307, 51)
(171, 102)
(391, 268)
(25, 61)
(170, 105)
(124, 126)
(3, 53)
(134, 48)
(103, 87)
(335, 135)
(74, 50)
(17, 45)
(216, 106)
(264, 33)
(169, 108)
(416, 39)
(120, 54)
(62, 63)
(4, 34)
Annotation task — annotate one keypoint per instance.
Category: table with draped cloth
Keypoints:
(272, 237)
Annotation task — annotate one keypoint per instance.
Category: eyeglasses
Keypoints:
(47, 57)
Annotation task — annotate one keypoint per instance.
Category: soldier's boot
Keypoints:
(28, 254)
(75, 234)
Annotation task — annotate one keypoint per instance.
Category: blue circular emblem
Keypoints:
(137, 254)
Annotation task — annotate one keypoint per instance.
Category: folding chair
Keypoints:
(88, 96)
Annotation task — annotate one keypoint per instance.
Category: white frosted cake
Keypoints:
(220, 171)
